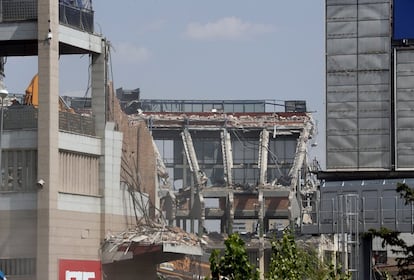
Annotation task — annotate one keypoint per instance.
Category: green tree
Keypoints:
(290, 261)
(285, 262)
(234, 264)
(406, 261)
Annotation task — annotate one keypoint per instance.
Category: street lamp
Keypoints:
(3, 94)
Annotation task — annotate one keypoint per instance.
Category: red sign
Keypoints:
(79, 270)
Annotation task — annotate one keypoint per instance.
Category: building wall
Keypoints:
(138, 155)
(147, 166)
(358, 84)
(82, 217)
(404, 102)
(17, 230)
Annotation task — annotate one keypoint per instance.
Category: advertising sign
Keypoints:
(79, 270)
(403, 20)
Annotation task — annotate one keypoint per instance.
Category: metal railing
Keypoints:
(79, 18)
(26, 117)
(374, 212)
(22, 10)
(16, 10)
(20, 117)
(76, 123)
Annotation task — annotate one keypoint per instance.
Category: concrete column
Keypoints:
(230, 211)
(99, 96)
(263, 154)
(261, 202)
(365, 257)
(184, 224)
(202, 215)
(48, 131)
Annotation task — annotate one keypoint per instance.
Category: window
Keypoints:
(18, 267)
(18, 170)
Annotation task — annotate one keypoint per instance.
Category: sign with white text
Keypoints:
(79, 270)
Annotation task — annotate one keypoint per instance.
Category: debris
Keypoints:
(144, 235)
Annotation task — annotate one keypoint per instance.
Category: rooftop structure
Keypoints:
(229, 164)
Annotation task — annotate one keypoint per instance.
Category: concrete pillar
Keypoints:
(184, 225)
(223, 225)
(230, 211)
(202, 215)
(365, 257)
(99, 96)
(261, 202)
(48, 131)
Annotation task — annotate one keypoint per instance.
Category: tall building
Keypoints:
(369, 65)
(369, 126)
(60, 172)
(359, 121)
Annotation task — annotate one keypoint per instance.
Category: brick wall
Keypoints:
(137, 152)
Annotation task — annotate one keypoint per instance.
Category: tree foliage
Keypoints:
(234, 264)
(285, 262)
(290, 261)
(405, 263)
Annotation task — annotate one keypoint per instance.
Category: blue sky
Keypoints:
(215, 49)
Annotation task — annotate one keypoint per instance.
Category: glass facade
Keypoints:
(245, 149)
(226, 106)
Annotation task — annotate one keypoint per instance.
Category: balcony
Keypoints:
(75, 14)
(25, 117)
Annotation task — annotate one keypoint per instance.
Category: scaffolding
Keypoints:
(347, 222)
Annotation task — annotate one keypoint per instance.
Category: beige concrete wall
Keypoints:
(76, 236)
(18, 234)
(118, 223)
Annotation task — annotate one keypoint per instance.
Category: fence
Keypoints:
(378, 206)
(26, 117)
(69, 14)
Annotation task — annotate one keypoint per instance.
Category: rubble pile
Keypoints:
(238, 120)
(153, 235)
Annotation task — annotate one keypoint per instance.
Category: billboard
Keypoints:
(403, 19)
(79, 270)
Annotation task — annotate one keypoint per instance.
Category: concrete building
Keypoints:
(226, 166)
(60, 190)
(369, 126)
(61, 195)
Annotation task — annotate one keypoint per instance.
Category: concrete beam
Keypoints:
(182, 249)
(80, 39)
(214, 213)
(16, 31)
(215, 192)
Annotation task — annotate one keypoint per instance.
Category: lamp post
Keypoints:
(3, 94)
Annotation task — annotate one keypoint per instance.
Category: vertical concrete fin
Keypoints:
(263, 152)
(226, 151)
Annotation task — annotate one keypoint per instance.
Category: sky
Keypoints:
(212, 49)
